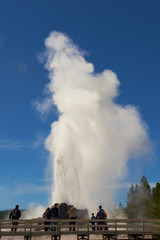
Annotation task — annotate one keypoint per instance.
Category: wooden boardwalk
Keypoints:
(84, 229)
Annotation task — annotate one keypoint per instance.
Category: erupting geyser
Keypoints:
(94, 137)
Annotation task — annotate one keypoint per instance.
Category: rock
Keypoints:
(63, 208)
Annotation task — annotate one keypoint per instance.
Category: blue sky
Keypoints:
(120, 35)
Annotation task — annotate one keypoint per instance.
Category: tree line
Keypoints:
(142, 201)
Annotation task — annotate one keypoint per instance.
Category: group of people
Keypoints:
(100, 215)
(52, 213)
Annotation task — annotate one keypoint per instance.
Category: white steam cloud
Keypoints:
(94, 137)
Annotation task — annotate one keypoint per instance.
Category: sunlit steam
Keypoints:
(94, 137)
(33, 211)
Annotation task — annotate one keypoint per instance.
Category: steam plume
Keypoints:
(94, 137)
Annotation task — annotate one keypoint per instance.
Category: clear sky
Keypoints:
(120, 35)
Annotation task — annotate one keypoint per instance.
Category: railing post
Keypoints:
(115, 229)
(30, 230)
(88, 226)
(0, 230)
(27, 238)
(60, 225)
(143, 234)
(88, 230)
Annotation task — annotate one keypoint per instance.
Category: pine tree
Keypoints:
(145, 199)
(140, 201)
(156, 201)
(131, 204)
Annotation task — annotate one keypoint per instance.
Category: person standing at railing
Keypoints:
(15, 214)
(54, 215)
(100, 215)
(93, 223)
(72, 215)
(47, 215)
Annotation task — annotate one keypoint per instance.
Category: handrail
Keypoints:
(87, 227)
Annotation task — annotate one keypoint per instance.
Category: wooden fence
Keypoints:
(82, 229)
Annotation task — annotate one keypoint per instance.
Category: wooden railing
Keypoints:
(84, 229)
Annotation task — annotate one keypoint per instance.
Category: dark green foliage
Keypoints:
(4, 214)
(156, 201)
(131, 203)
(142, 202)
(145, 199)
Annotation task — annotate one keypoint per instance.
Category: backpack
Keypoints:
(101, 213)
(73, 214)
(15, 214)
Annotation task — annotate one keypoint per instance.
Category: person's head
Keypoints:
(92, 214)
(17, 206)
(100, 206)
(47, 209)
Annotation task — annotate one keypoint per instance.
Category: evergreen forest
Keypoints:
(142, 201)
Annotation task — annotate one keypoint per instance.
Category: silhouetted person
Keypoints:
(72, 215)
(15, 214)
(47, 215)
(54, 215)
(100, 215)
(93, 223)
